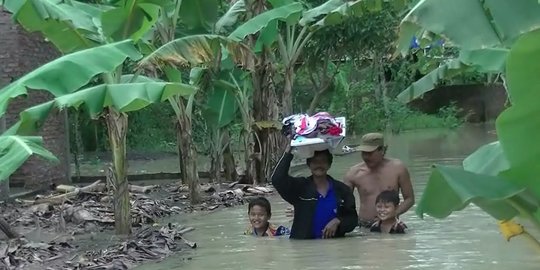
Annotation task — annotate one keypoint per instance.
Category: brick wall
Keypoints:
(21, 52)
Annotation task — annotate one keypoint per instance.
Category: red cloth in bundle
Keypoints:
(334, 131)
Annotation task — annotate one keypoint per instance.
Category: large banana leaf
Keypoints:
(70, 72)
(490, 60)
(519, 125)
(427, 83)
(230, 17)
(221, 107)
(471, 24)
(69, 27)
(334, 12)
(514, 160)
(15, 150)
(313, 14)
(489, 159)
(198, 50)
(349, 9)
(123, 97)
(290, 14)
(452, 189)
(132, 19)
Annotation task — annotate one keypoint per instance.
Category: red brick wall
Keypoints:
(21, 52)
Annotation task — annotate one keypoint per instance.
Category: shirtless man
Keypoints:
(378, 173)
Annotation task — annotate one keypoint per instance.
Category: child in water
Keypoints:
(259, 213)
(386, 204)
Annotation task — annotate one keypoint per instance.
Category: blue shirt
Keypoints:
(325, 211)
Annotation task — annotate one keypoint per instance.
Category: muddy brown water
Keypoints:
(468, 239)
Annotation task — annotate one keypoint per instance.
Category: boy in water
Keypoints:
(386, 204)
(259, 213)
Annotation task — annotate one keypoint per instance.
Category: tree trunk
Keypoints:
(188, 155)
(215, 156)
(229, 164)
(117, 124)
(4, 190)
(287, 92)
(249, 155)
(183, 170)
(265, 108)
(315, 102)
(79, 148)
(4, 184)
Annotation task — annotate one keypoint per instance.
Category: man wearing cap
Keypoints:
(376, 174)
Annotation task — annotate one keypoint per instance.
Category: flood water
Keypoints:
(468, 239)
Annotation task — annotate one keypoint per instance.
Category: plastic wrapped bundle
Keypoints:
(318, 132)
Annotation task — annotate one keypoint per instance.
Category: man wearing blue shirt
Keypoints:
(324, 207)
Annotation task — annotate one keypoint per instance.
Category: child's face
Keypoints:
(258, 217)
(385, 210)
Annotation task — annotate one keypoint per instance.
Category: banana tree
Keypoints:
(193, 20)
(220, 111)
(93, 25)
(112, 102)
(483, 45)
(291, 26)
(500, 177)
(212, 52)
(284, 29)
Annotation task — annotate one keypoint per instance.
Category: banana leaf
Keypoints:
(122, 97)
(518, 125)
(313, 14)
(508, 178)
(431, 80)
(69, 73)
(230, 17)
(221, 107)
(349, 9)
(489, 24)
(489, 159)
(132, 19)
(490, 60)
(69, 27)
(451, 189)
(198, 50)
(289, 13)
(15, 150)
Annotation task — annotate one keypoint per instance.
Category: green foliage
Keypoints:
(69, 73)
(15, 150)
(501, 178)
(495, 195)
(121, 97)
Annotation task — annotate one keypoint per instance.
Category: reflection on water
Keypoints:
(466, 240)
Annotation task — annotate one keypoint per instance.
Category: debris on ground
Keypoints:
(84, 208)
(20, 253)
(69, 211)
(148, 244)
(234, 194)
